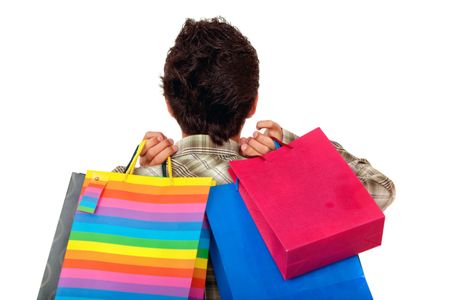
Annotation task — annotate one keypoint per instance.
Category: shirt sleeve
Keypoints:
(145, 171)
(379, 186)
(149, 171)
(288, 136)
(119, 169)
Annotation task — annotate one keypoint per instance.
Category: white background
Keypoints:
(79, 87)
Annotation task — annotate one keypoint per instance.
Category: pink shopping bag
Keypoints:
(308, 205)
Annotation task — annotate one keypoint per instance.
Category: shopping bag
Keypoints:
(58, 249)
(56, 256)
(135, 237)
(308, 205)
(197, 290)
(244, 268)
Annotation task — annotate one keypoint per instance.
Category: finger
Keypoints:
(143, 160)
(242, 140)
(150, 143)
(264, 139)
(153, 151)
(150, 134)
(249, 151)
(163, 155)
(266, 124)
(148, 159)
(271, 128)
(259, 147)
(278, 134)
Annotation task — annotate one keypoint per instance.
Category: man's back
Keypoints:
(199, 156)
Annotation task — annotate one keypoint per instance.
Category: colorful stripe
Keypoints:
(134, 260)
(92, 193)
(141, 241)
(129, 241)
(143, 215)
(81, 293)
(122, 287)
(130, 269)
(86, 208)
(156, 199)
(127, 278)
(197, 290)
(138, 224)
(131, 250)
(148, 189)
(139, 233)
(151, 181)
(150, 207)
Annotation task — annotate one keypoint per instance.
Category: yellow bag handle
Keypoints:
(132, 165)
(169, 166)
(135, 158)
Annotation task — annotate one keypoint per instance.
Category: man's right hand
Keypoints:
(157, 149)
(261, 143)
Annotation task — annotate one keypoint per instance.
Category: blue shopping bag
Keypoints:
(245, 269)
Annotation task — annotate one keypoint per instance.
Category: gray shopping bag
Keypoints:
(59, 244)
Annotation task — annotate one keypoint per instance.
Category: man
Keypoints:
(210, 83)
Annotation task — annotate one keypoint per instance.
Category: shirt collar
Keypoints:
(202, 143)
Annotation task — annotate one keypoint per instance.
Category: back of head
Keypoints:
(211, 78)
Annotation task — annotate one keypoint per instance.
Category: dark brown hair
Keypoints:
(211, 78)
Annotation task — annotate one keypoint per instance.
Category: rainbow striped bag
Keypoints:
(137, 237)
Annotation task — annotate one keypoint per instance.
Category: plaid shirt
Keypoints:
(198, 156)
